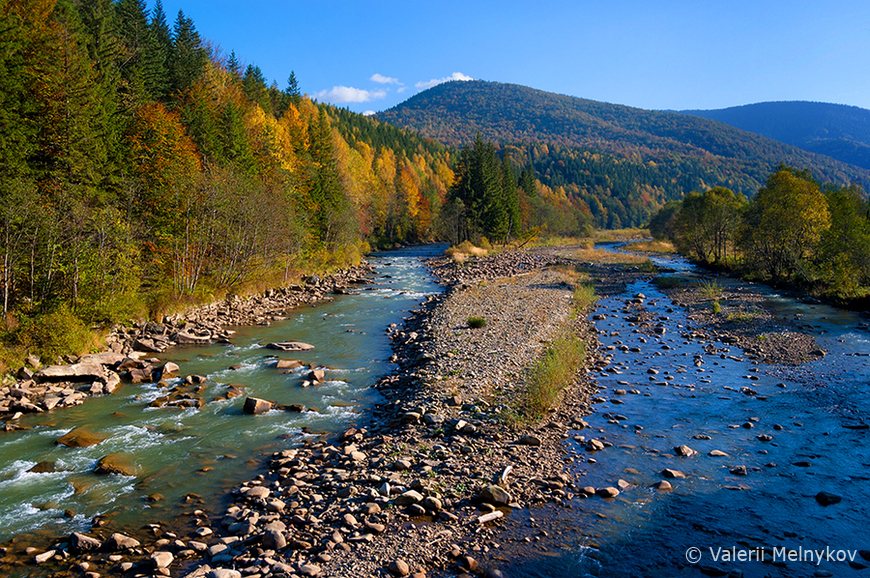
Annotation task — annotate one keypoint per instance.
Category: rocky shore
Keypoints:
(421, 487)
(130, 350)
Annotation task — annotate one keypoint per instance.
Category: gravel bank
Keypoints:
(745, 320)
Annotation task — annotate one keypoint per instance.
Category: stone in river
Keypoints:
(717, 454)
(685, 451)
(316, 375)
(44, 467)
(673, 474)
(288, 364)
(80, 438)
(115, 464)
(828, 499)
(254, 405)
(290, 346)
(663, 486)
(608, 492)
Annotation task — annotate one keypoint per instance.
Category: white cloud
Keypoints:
(381, 79)
(340, 94)
(401, 89)
(436, 81)
(369, 113)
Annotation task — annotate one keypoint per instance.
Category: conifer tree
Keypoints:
(188, 57)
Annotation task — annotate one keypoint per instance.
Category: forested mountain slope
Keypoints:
(839, 131)
(620, 161)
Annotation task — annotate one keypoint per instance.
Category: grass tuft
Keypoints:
(547, 377)
(476, 322)
(710, 290)
(666, 282)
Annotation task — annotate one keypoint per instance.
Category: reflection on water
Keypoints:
(205, 452)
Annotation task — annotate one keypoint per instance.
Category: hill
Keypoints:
(839, 131)
(623, 162)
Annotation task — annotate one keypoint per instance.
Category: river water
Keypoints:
(208, 451)
(664, 391)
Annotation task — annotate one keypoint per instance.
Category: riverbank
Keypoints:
(130, 351)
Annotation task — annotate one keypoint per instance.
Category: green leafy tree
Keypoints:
(844, 258)
(707, 224)
(784, 224)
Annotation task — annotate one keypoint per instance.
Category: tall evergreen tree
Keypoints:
(157, 54)
(293, 90)
(188, 57)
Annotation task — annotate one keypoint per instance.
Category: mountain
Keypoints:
(623, 162)
(839, 131)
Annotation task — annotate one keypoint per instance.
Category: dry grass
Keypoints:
(602, 256)
(652, 247)
(463, 251)
(621, 235)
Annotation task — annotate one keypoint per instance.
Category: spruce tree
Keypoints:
(188, 57)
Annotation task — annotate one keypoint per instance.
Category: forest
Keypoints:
(836, 130)
(795, 232)
(622, 163)
(142, 171)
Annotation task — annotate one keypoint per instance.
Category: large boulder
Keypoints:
(76, 373)
(80, 438)
(493, 494)
(115, 464)
(83, 543)
(104, 358)
(254, 405)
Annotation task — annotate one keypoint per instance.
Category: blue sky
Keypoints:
(699, 54)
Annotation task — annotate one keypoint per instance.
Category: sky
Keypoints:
(368, 56)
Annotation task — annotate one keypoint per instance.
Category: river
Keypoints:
(792, 429)
(208, 451)
(787, 434)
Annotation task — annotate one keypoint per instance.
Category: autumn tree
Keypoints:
(784, 223)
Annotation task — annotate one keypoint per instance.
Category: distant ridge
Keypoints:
(837, 130)
(622, 162)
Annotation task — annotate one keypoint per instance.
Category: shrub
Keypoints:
(476, 322)
(584, 296)
(56, 333)
(717, 308)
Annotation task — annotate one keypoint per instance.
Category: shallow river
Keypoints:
(208, 451)
(664, 391)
